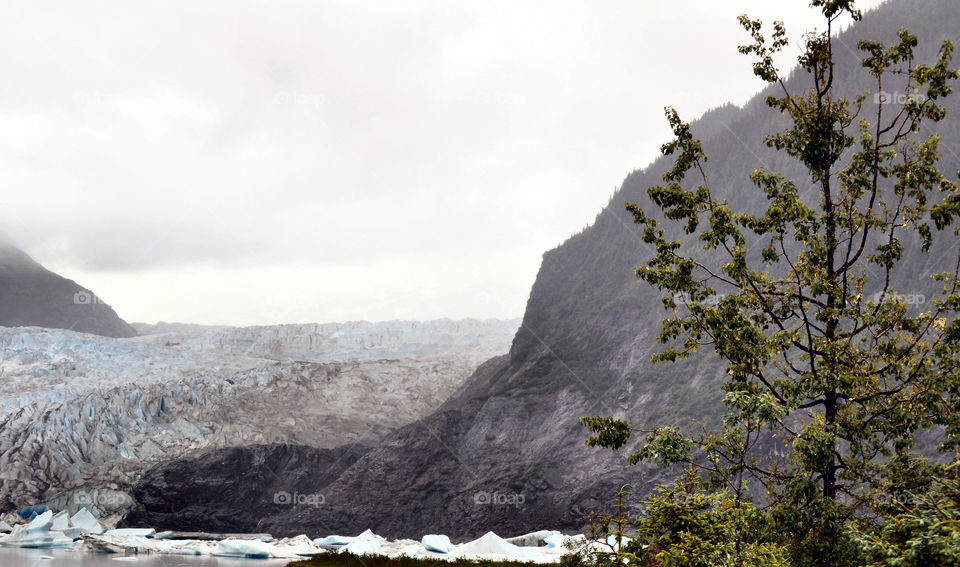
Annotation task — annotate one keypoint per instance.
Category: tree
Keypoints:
(823, 352)
(921, 527)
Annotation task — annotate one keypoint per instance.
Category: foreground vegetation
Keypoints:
(833, 373)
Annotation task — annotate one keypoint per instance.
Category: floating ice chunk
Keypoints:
(249, 548)
(334, 540)
(39, 539)
(492, 544)
(41, 523)
(299, 545)
(532, 539)
(555, 541)
(60, 522)
(368, 535)
(437, 543)
(367, 546)
(86, 522)
(133, 532)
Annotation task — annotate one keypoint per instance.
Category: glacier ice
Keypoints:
(543, 546)
(490, 544)
(41, 523)
(83, 413)
(333, 540)
(251, 549)
(85, 521)
(363, 547)
(60, 522)
(135, 532)
(437, 543)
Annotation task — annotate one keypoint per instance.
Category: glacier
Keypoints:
(84, 416)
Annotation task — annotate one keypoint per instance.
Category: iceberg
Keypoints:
(299, 545)
(60, 522)
(368, 535)
(492, 544)
(86, 522)
(437, 543)
(83, 532)
(249, 548)
(41, 523)
(532, 539)
(333, 541)
(40, 538)
(555, 541)
(136, 532)
(364, 547)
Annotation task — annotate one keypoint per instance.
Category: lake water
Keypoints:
(11, 557)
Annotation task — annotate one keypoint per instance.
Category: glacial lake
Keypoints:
(12, 557)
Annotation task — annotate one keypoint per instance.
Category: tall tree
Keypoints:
(822, 351)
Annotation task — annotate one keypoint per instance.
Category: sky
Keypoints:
(243, 163)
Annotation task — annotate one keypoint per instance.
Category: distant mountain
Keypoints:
(506, 452)
(33, 296)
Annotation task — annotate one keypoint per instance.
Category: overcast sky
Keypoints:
(278, 162)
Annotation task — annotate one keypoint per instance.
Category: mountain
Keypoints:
(505, 452)
(32, 296)
(83, 416)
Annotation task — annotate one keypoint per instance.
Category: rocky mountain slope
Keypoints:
(31, 295)
(80, 411)
(506, 451)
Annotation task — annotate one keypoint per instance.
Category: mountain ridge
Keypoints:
(33, 296)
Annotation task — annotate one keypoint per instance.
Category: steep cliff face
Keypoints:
(506, 452)
(80, 411)
(31, 295)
